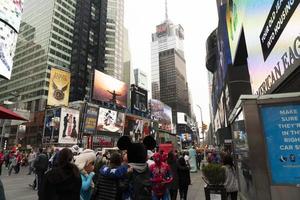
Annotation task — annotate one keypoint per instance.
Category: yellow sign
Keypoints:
(59, 88)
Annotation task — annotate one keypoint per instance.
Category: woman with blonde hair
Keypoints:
(85, 162)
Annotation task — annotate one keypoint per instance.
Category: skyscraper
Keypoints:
(45, 40)
(168, 67)
(114, 39)
(140, 78)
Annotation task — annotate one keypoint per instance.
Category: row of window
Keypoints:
(17, 68)
(60, 47)
(62, 40)
(29, 57)
(62, 32)
(60, 55)
(62, 25)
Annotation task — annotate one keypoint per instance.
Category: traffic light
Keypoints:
(203, 128)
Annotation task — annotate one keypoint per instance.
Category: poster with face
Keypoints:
(52, 125)
(110, 120)
(69, 126)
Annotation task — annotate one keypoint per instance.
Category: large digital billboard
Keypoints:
(139, 99)
(273, 42)
(52, 125)
(109, 89)
(10, 12)
(136, 127)
(162, 113)
(90, 122)
(59, 87)
(110, 121)
(69, 126)
(8, 40)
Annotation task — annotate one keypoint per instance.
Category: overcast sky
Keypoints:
(198, 18)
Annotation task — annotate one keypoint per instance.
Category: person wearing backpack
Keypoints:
(41, 166)
(231, 183)
(139, 178)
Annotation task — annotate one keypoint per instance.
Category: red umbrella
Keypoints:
(8, 114)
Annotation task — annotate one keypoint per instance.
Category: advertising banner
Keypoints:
(102, 141)
(110, 120)
(136, 128)
(162, 113)
(69, 126)
(8, 40)
(10, 12)
(91, 117)
(59, 87)
(139, 99)
(109, 89)
(281, 125)
(52, 125)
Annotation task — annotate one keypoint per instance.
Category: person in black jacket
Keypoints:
(41, 166)
(173, 187)
(2, 195)
(184, 178)
(64, 181)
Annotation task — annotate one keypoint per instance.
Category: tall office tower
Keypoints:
(45, 40)
(140, 78)
(114, 39)
(88, 48)
(168, 68)
(127, 69)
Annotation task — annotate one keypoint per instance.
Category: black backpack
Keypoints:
(141, 185)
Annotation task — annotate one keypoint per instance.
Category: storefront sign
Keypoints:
(282, 132)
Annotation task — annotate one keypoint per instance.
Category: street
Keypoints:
(16, 186)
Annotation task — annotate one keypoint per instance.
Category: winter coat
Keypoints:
(86, 187)
(2, 195)
(231, 183)
(184, 178)
(61, 184)
(41, 163)
(173, 167)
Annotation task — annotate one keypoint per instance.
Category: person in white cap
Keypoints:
(85, 163)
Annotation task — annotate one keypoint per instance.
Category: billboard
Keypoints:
(52, 125)
(136, 127)
(69, 126)
(10, 12)
(185, 137)
(162, 29)
(109, 89)
(59, 87)
(281, 125)
(8, 40)
(139, 99)
(90, 122)
(110, 120)
(104, 141)
(162, 113)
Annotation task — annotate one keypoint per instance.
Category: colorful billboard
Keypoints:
(136, 127)
(110, 121)
(59, 87)
(91, 117)
(109, 89)
(162, 113)
(139, 99)
(69, 126)
(10, 12)
(8, 40)
(103, 141)
(52, 125)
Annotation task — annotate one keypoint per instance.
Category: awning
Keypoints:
(8, 114)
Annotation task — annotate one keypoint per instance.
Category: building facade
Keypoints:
(45, 40)
(140, 78)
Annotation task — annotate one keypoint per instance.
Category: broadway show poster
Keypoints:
(110, 121)
(136, 128)
(139, 99)
(52, 125)
(69, 126)
(90, 120)
(162, 113)
(10, 12)
(8, 40)
(59, 87)
(109, 89)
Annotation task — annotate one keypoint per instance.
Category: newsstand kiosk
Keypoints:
(266, 140)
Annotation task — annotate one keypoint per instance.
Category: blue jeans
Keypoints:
(165, 197)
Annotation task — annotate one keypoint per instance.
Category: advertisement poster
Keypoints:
(52, 125)
(11, 11)
(8, 40)
(162, 113)
(136, 128)
(102, 141)
(69, 126)
(139, 99)
(109, 89)
(281, 125)
(110, 120)
(91, 117)
(59, 87)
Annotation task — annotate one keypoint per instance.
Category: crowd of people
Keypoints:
(135, 172)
